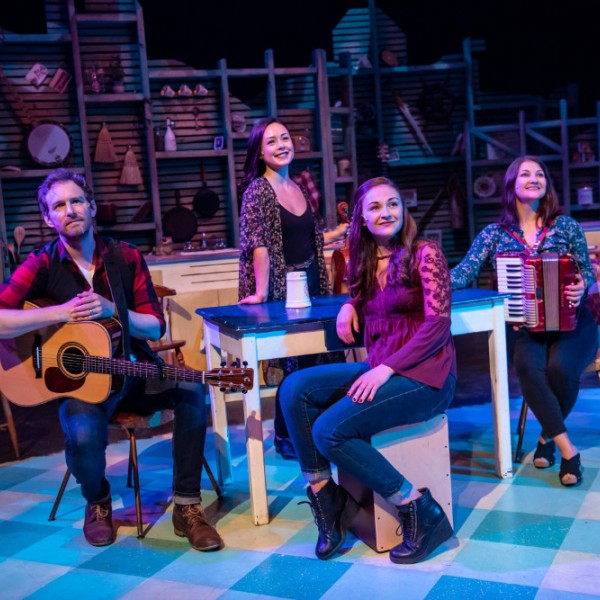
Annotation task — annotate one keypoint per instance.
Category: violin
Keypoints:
(339, 258)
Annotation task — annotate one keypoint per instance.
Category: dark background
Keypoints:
(533, 47)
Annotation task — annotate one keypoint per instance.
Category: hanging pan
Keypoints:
(179, 222)
(206, 201)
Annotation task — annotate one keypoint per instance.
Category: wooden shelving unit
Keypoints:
(344, 110)
(555, 141)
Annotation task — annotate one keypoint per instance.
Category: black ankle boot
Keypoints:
(424, 527)
(333, 509)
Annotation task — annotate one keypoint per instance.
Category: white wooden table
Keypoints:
(263, 331)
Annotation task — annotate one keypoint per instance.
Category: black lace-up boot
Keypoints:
(424, 527)
(333, 509)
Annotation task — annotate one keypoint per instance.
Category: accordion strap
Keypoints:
(517, 236)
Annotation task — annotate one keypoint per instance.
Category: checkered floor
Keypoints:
(527, 537)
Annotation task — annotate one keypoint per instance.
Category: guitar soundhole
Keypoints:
(71, 360)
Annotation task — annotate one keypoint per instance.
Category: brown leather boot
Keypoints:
(190, 521)
(98, 526)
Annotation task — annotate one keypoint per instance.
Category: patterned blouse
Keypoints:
(564, 236)
(407, 328)
(260, 225)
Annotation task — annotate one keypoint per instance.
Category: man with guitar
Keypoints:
(87, 278)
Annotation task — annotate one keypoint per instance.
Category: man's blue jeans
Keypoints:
(326, 426)
(85, 427)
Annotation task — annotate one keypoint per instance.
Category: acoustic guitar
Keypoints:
(76, 359)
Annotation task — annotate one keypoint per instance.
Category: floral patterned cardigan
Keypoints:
(260, 225)
(564, 236)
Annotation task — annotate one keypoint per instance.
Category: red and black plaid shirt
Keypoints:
(28, 282)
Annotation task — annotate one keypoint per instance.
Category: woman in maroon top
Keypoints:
(401, 298)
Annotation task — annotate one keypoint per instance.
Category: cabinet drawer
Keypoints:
(189, 277)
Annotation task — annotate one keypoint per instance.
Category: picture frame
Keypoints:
(409, 197)
(435, 235)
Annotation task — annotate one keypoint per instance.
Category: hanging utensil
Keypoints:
(19, 235)
(48, 143)
(179, 223)
(197, 124)
(412, 122)
(206, 201)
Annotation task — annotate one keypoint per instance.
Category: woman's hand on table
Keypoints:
(253, 299)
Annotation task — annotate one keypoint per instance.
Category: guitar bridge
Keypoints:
(36, 355)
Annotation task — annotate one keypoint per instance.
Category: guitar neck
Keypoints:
(148, 370)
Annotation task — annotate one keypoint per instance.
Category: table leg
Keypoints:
(254, 438)
(500, 397)
(217, 407)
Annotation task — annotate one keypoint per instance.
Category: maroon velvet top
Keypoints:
(408, 328)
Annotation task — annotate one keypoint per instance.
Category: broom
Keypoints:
(131, 172)
(105, 151)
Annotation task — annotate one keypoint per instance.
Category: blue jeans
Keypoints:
(304, 361)
(326, 426)
(549, 367)
(85, 428)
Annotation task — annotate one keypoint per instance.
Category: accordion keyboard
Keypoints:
(517, 279)
(536, 284)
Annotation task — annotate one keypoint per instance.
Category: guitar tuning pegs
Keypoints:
(223, 363)
(245, 363)
(222, 390)
(236, 364)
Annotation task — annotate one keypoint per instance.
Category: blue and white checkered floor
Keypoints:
(527, 537)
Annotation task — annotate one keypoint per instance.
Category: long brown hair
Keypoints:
(362, 264)
(254, 165)
(548, 207)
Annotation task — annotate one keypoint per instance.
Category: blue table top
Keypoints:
(271, 316)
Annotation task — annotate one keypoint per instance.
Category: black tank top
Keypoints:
(297, 233)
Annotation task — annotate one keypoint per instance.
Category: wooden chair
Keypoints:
(166, 343)
(9, 425)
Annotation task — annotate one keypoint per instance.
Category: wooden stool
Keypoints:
(130, 422)
(421, 453)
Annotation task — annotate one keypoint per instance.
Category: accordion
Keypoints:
(537, 287)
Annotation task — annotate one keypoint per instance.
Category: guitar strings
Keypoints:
(112, 366)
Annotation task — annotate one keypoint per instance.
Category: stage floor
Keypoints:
(525, 537)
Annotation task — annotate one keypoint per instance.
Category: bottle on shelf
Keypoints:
(101, 79)
(170, 141)
(94, 81)
(159, 139)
